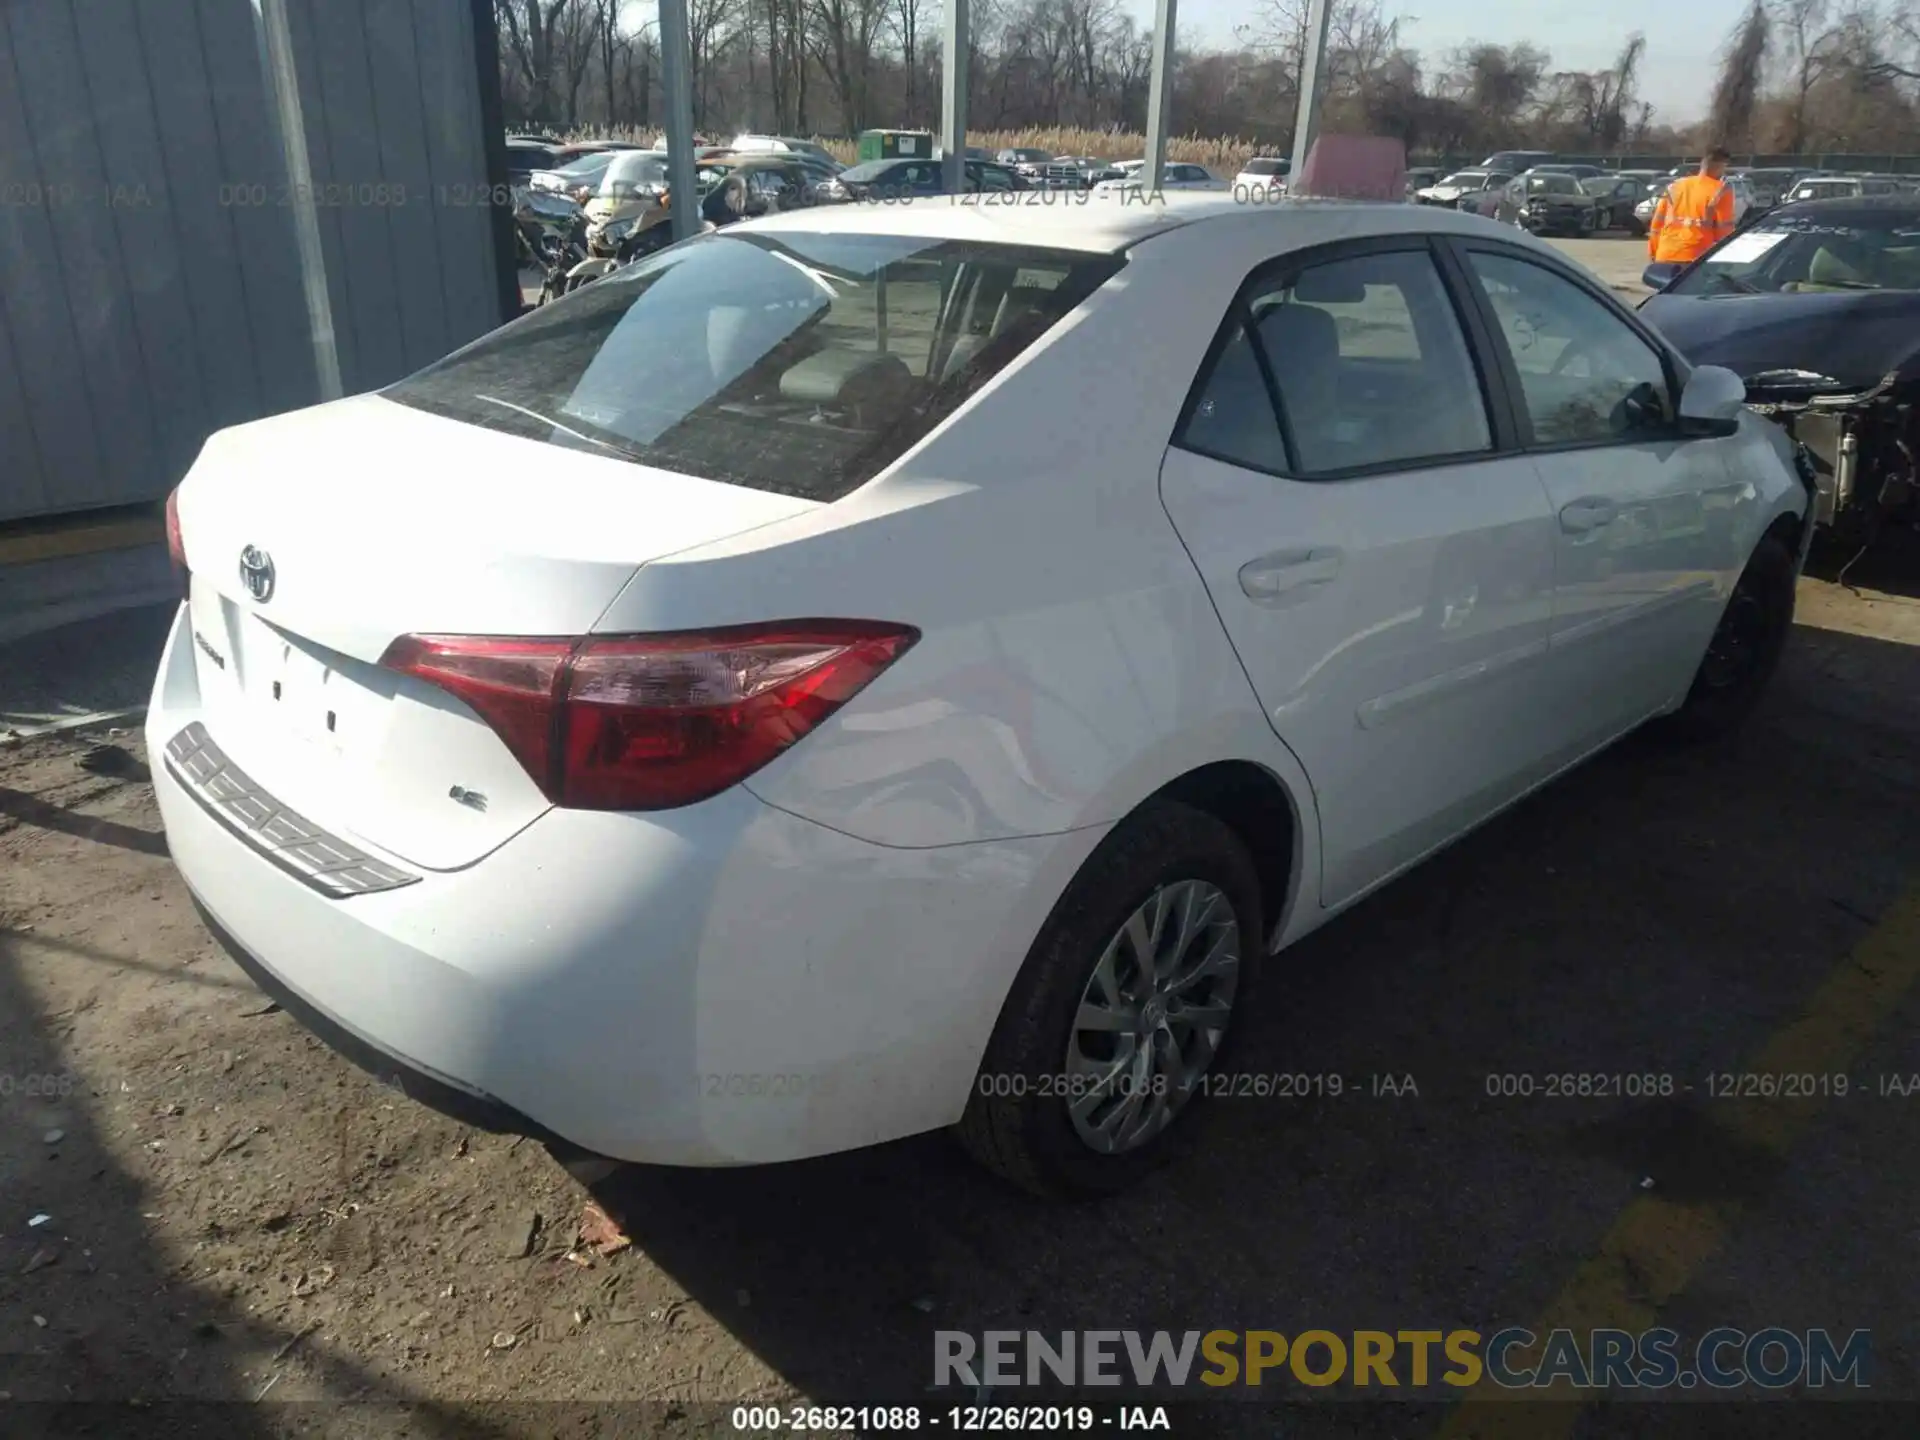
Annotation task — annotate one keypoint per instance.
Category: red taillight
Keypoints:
(176, 547)
(648, 722)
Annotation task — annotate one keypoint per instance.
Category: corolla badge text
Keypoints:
(256, 573)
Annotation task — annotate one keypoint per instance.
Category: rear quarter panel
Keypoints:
(1071, 662)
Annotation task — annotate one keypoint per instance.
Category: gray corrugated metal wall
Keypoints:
(150, 283)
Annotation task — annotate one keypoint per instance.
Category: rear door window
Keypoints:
(1370, 364)
(796, 363)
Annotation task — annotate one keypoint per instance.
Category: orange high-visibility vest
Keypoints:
(1694, 215)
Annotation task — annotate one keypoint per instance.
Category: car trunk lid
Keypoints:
(316, 539)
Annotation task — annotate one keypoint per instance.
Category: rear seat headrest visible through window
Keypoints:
(848, 379)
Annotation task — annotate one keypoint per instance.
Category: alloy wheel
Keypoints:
(1152, 1016)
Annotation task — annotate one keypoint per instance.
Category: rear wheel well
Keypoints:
(1249, 801)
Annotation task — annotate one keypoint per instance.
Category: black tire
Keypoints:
(1016, 1122)
(1745, 650)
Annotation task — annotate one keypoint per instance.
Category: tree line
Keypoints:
(1795, 75)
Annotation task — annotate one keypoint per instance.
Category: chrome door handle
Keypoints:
(1587, 513)
(1286, 572)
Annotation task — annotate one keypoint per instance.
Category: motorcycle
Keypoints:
(622, 236)
(550, 236)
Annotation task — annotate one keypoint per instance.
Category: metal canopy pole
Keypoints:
(955, 48)
(1306, 124)
(275, 34)
(676, 78)
(1159, 96)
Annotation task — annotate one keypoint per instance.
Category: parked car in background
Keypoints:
(1116, 170)
(1643, 212)
(1825, 187)
(817, 170)
(1456, 189)
(577, 179)
(1024, 158)
(1770, 185)
(1515, 162)
(1062, 172)
(1744, 203)
(1177, 175)
(1419, 177)
(580, 149)
(791, 144)
(1616, 196)
(904, 179)
(524, 157)
(1548, 203)
(1262, 177)
(1817, 307)
(747, 185)
(1579, 170)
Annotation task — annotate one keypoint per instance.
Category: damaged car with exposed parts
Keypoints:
(1817, 307)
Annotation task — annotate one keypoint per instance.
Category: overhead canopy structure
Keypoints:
(675, 53)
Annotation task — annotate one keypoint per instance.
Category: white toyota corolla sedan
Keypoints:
(727, 716)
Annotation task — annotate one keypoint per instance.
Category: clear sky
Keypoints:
(1683, 40)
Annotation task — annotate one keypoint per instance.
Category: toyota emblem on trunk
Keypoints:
(256, 573)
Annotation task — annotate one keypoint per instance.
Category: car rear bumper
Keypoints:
(717, 985)
(437, 1092)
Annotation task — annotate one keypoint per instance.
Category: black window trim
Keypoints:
(1482, 349)
(1672, 366)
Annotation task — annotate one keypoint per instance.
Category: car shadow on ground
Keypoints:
(94, 1316)
(1658, 911)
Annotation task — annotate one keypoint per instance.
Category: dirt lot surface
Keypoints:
(1617, 259)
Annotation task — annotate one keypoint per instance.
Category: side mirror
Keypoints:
(1710, 403)
(1660, 274)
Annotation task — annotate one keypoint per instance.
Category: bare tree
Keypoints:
(1497, 84)
(710, 30)
(1800, 30)
(1736, 95)
(844, 34)
(528, 31)
(905, 17)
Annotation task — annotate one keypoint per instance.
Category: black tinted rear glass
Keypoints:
(798, 363)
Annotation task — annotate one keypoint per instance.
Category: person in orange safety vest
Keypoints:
(1694, 215)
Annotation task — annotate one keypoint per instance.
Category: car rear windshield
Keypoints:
(1263, 167)
(633, 173)
(798, 363)
(588, 166)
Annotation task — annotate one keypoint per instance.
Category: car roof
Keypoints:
(1106, 226)
(1876, 207)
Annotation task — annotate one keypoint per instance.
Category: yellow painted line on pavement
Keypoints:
(81, 539)
(1656, 1246)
